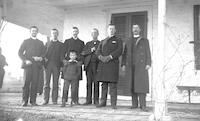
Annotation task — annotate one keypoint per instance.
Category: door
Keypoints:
(123, 23)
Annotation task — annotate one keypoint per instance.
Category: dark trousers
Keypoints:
(51, 70)
(139, 96)
(2, 72)
(42, 77)
(76, 97)
(113, 92)
(76, 93)
(74, 86)
(31, 77)
(92, 84)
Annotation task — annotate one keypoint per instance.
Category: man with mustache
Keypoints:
(136, 61)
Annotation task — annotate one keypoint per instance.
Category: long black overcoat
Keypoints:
(109, 71)
(137, 54)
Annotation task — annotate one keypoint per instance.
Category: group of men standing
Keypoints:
(100, 60)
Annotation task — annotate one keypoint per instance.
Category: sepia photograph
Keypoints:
(99, 60)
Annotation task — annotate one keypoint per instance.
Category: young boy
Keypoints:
(71, 71)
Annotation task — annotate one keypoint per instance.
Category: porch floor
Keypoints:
(11, 110)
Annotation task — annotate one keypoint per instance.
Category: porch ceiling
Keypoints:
(73, 3)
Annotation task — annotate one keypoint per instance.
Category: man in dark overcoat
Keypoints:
(31, 52)
(74, 43)
(108, 53)
(52, 66)
(137, 59)
(2, 71)
(90, 66)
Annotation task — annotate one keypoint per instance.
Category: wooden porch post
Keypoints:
(160, 107)
(3, 11)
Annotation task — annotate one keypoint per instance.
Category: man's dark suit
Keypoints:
(29, 49)
(76, 45)
(136, 57)
(90, 66)
(108, 72)
(53, 64)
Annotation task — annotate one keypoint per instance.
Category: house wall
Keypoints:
(179, 54)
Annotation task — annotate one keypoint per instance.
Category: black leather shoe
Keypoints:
(54, 103)
(24, 104)
(133, 107)
(63, 104)
(96, 102)
(77, 103)
(143, 108)
(87, 103)
(74, 103)
(114, 107)
(45, 103)
(34, 104)
(101, 105)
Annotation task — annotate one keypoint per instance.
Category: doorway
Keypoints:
(123, 23)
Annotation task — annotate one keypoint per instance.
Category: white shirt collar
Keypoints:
(94, 40)
(73, 61)
(54, 40)
(33, 37)
(75, 38)
(136, 36)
